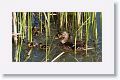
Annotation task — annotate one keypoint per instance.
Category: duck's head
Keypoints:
(63, 37)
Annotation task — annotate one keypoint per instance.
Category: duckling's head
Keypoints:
(63, 37)
(41, 46)
(31, 44)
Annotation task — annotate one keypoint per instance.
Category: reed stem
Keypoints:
(57, 57)
(86, 34)
(75, 27)
(61, 21)
(29, 27)
(49, 23)
(46, 29)
(66, 21)
(15, 37)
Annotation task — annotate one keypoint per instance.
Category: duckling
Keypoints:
(35, 31)
(31, 45)
(41, 46)
(80, 44)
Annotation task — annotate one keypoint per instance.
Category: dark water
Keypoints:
(38, 55)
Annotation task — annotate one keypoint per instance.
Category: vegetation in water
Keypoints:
(56, 36)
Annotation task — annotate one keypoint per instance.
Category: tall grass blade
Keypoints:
(66, 21)
(46, 29)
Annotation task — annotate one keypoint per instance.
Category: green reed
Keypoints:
(101, 21)
(46, 30)
(49, 38)
(48, 14)
(78, 23)
(86, 32)
(94, 25)
(19, 37)
(81, 30)
(24, 25)
(75, 33)
(66, 21)
(40, 19)
(15, 32)
(21, 21)
(61, 21)
(29, 26)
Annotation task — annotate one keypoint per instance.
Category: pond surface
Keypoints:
(39, 55)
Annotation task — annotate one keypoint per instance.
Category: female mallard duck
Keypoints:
(66, 44)
(63, 37)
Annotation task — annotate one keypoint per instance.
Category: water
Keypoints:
(38, 55)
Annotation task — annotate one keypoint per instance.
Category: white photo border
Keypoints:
(104, 67)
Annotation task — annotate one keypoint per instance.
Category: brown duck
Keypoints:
(66, 44)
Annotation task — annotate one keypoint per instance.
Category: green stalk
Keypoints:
(78, 22)
(73, 23)
(89, 24)
(61, 20)
(48, 32)
(49, 23)
(17, 20)
(96, 37)
(15, 32)
(95, 28)
(75, 32)
(81, 28)
(41, 23)
(29, 27)
(66, 21)
(24, 25)
(83, 24)
(75, 42)
(86, 34)
(101, 20)
(46, 41)
(93, 24)
(29, 34)
(20, 38)
(46, 28)
(40, 19)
